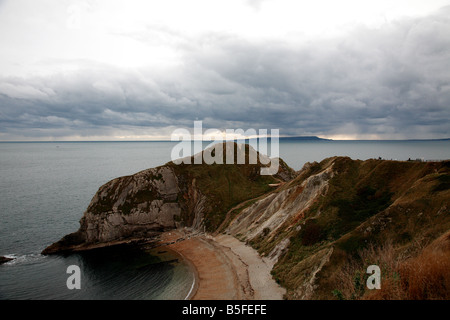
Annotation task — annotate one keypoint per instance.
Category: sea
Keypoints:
(46, 186)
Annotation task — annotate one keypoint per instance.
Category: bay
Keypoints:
(46, 187)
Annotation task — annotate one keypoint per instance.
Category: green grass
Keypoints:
(224, 186)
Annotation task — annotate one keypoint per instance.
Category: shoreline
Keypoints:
(224, 268)
(194, 287)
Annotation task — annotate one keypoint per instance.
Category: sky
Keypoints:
(140, 69)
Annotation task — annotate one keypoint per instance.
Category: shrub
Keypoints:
(311, 234)
(443, 183)
(424, 277)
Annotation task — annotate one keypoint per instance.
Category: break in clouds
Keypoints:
(386, 82)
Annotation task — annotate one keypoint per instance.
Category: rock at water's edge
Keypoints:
(5, 259)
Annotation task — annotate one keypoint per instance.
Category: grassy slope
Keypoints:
(367, 203)
(226, 185)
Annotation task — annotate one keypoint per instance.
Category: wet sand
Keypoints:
(225, 268)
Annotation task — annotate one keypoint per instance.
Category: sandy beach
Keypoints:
(225, 268)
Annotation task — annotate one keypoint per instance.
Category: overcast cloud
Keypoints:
(94, 70)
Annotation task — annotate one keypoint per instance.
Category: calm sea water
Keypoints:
(44, 190)
(46, 187)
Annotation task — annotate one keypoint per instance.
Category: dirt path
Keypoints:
(262, 284)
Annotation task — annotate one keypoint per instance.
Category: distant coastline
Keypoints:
(283, 138)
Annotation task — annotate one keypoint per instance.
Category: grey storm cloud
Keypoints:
(394, 80)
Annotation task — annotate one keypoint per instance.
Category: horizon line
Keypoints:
(304, 138)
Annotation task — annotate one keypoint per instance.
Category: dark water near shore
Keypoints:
(118, 273)
(45, 188)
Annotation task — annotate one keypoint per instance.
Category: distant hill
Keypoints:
(303, 138)
(446, 139)
(293, 138)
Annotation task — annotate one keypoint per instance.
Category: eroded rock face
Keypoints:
(111, 226)
(163, 198)
(266, 216)
(134, 206)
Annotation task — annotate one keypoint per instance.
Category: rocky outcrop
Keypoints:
(5, 259)
(131, 207)
(140, 206)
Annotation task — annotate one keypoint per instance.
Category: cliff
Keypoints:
(323, 228)
(320, 227)
(141, 206)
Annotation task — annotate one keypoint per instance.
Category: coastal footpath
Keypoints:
(294, 235)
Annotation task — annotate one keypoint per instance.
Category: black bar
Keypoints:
(231, 310)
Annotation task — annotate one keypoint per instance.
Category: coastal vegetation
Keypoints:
(321, 227)
(390, 209)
